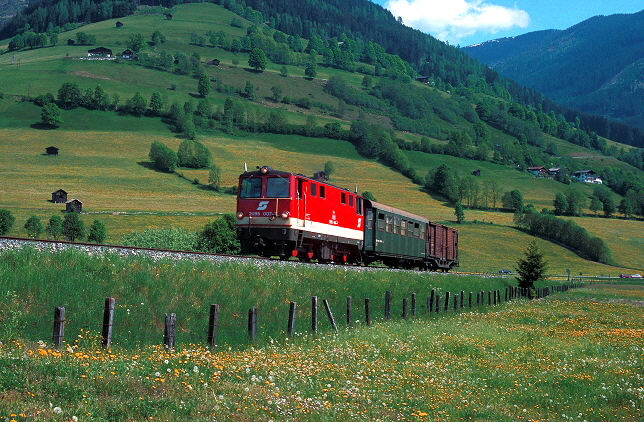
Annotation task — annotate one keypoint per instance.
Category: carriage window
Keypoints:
(381, 222)
(403, 228)
(390, 221)
(251, 187)
(410, 228)
(314, 188)
(343, 198)
(416, 230)
(322, 191)
(422, 231)
(396, 225)
(276, 187)
(350, 200)
(369, 220)
(359, 206)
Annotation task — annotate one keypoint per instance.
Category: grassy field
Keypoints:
(573, 355)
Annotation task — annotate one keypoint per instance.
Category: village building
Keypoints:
(127, 54)
(538, 171)
(59, 196)
(99, 52)
(119, 24)
(586, 176)
(74, 205)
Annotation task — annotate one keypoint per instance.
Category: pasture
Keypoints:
(572, 355)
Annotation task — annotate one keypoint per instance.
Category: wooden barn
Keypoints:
(119, 24)
(74, 205)
(51, 151)
(59, 196)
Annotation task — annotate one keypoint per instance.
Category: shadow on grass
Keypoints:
(42, 126)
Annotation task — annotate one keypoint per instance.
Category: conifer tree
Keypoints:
(532, 267)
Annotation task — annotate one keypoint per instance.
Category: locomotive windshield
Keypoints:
(251, 187)
(277, 187)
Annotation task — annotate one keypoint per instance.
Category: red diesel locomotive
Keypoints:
(286, 214)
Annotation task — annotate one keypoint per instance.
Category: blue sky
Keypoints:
(466, 22)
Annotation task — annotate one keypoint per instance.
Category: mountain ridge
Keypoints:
(591, 66)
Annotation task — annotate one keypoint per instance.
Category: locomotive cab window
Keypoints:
(277, 187)
(381, 222)
(359, 206)
(343, 198)
(350, 200)
(322, 191)
(314, 189)
(251, 187)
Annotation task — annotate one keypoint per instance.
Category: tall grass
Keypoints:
(565, 357)
(145, 290)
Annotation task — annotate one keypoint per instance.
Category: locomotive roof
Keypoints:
(274, 172)
(393, 210)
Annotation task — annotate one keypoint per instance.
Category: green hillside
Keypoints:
(104, 162)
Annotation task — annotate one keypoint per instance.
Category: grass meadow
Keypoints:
(573, 355)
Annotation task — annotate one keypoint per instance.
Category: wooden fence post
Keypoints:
(367, 313)
(170, 332)
(413, 304)
(447, 301)
(349, 313)
(462, 301)
(213, 325)
(404, 311)
(59, 326)
(252, 324)
(291, 319)
(456, 303)
(430, 302)
(387, 304)
(330, 314)
(314, 314)
(108, 319)
(438, 304)
(470, 301)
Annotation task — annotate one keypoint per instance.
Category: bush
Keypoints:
(193, 154)
(34, 226)
(175, 239)
(219, 236)
(163, 158)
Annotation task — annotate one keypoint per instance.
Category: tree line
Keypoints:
(71, 227)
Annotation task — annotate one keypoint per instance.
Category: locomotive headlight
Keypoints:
(240, 215)
(284, 215)
(264, 169)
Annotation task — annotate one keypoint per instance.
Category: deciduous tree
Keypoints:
(6, 221)
(33, 226)
(73, 227)
(257, 59)
(97, 232)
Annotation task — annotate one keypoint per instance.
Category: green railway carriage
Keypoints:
(394, 236)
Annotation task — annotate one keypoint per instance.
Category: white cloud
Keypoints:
(451, 20)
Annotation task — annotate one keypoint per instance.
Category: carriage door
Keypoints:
(369, 231)
(301, 202)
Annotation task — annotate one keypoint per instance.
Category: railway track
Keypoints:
(9, 243)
